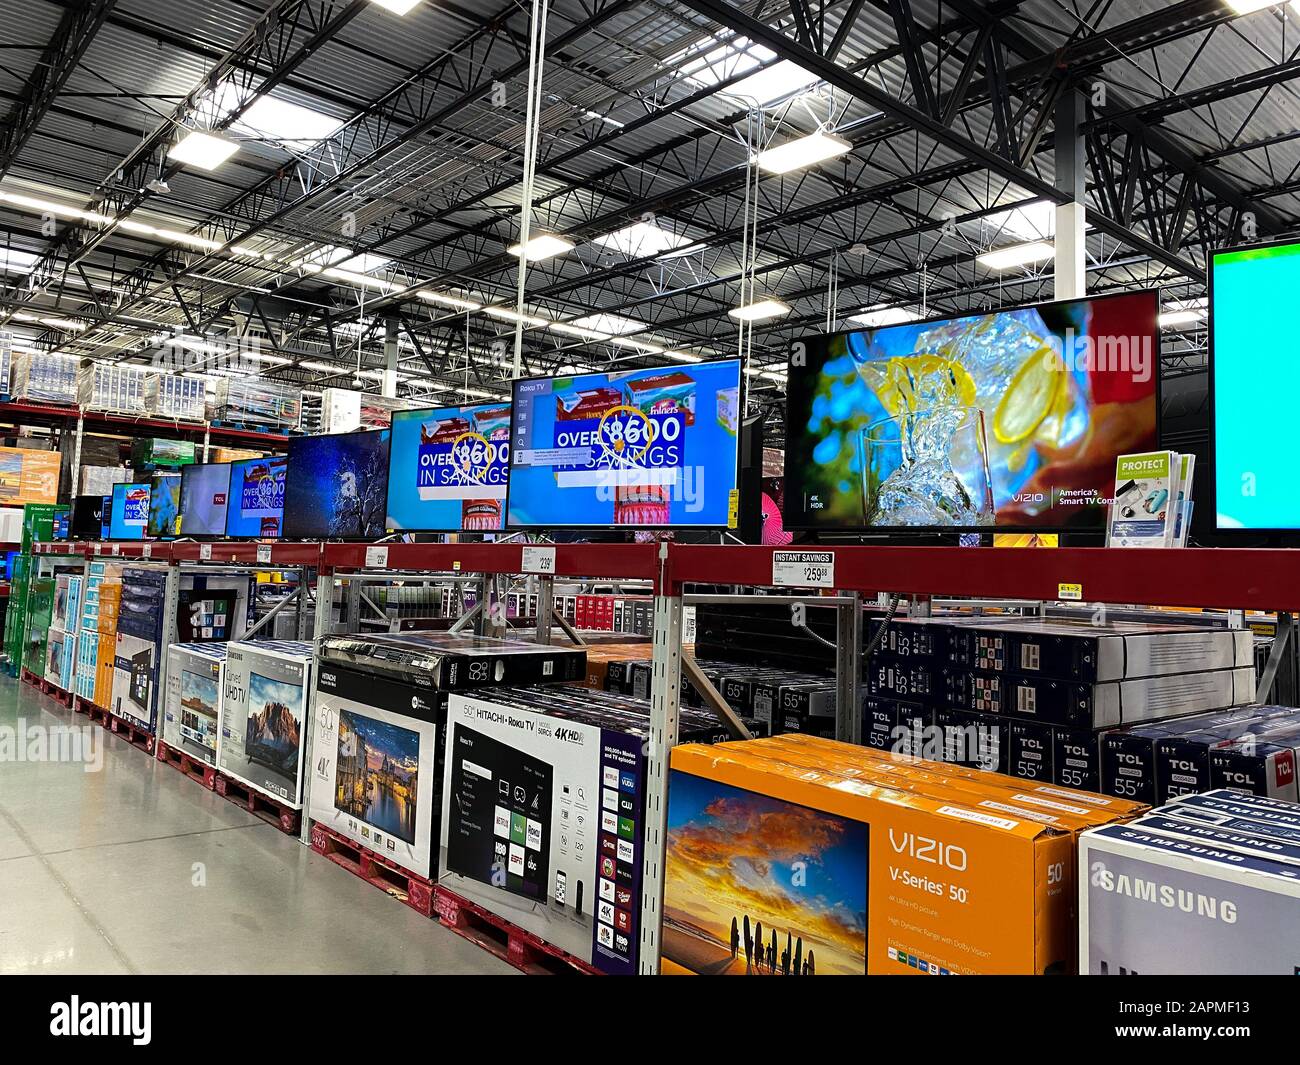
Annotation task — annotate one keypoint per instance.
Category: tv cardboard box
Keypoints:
(263, 713)
(848, 877)
(192, 707)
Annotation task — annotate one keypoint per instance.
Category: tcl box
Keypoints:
(376, 760)
(454, 663)
(898, 882)
(192, 707)
(263, 712)
(1155, 900)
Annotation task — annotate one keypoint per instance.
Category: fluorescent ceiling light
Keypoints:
(206, 151)
(641, 240)
(610, 323)
(1183, 317)
(449, 301)
(397, 7)
(543, 246)
(875, 317)
(1034, 221)
(269, 118)
(1017, 255)
(804, 151)
(13, 261)
(1245, 7)
(511, 315)
(709, 66)
(760, 310)
(330, 255)
(682, 356)
(602, 118)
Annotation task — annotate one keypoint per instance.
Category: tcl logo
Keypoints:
(1286, 768)
(1182, 765)
(1235, 777)
(925, 849)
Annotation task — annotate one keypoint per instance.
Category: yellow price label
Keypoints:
(1069, 591)
(733, 508)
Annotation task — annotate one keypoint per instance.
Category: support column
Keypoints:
(389, 388)
(1071, 172)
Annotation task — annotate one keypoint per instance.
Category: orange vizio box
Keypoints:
(772, 867)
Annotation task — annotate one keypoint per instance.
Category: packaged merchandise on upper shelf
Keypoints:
(151, 453)
(1207, 885)
(113, 387)
(45, 378)
(257, 402)
(169, 395)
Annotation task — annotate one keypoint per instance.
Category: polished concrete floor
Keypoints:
(133, 868)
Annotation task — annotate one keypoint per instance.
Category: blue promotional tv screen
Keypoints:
(165, 505)
(447, 469)
(653, 448)
(256, 507)
(336, 487)
(205, 494)
(1254, 377)
(106, 515)
(129, 514)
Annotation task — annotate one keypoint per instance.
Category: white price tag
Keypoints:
(146, 551)
(377, 557)
(98, 548)
(803, 569)
(117, 549)
(205, 552)
(539, 560)
(263, 554)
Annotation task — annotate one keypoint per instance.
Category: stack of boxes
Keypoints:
(113, 387)
(139, 637)
(97, 640)
(38, 526)
(173, 396)
(193, 699)
(45, 378)
(1207, 885)
(65, 619)
(254, 401)
(1033, 697)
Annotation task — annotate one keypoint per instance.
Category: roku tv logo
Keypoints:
(925, 849)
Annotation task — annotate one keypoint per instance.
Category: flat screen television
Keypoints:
(106, 528)
(165, 505)
(87, 517)
(129, 515)
(336, 487)
(447, 469)
(1003, 420)
(205, 495)
(653, 448)
(1253, 380)
(256, 507)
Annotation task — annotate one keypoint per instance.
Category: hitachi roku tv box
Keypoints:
(906, 883)
(543, 813)
(1166, 895)
(453, 663)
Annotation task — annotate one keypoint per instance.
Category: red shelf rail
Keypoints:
(1251, 579)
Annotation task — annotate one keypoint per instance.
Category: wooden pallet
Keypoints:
(194, 768)
(525, 951)
(402, 884)
(134, 734)
(48, 688)
(259, 804)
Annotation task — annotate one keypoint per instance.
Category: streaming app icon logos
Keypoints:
(609, 776)
(609, 800)
(607, 890)
(605, 935)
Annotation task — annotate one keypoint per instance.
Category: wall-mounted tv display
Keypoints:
(165, 505)
(256, 506)
(205, 495)
(336, 487)
(129, 514)
(1007, 419)
(447, 469)
(653, 448)
(1254, 376)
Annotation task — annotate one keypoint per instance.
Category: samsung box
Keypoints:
(263, 712)
(1155, 900)
(192, 707)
